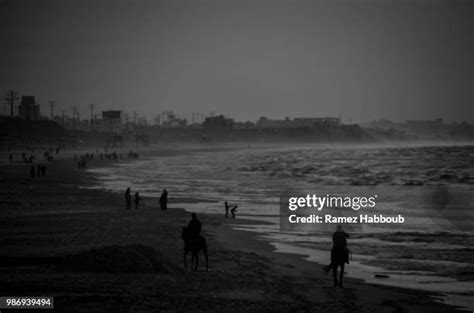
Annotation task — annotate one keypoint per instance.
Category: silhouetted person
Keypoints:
(233, 210)
(339, 242)
(10, 157)
(128, 199)
(164, 200)
(43, 170)
(137, 200)
(38, 173)
(194, 226)
(32, 171)
(226, 205)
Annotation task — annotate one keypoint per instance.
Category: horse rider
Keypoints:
(339, 242)
(194, 226)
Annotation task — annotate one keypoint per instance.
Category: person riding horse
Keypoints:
(339, 254)
(194, 242)
(340, 242)
(194, 226)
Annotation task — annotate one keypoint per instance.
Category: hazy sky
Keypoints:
(360, 59)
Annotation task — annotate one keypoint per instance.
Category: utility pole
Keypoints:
(11, 98)
(74, 117)
(52, 104)
(92, 111)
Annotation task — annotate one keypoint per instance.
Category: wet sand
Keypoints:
(82, 247)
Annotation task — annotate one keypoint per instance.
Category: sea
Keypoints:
(430, 184)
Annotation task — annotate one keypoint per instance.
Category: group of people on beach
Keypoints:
(31, 157)
(128, 199)
(39, 171)
(232, 208)
(163, 201)
(82, 160)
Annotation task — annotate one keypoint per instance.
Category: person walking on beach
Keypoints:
(194, 226)
(43, 170)
(164, 200)
(128, 199)
(10, 158)
(137, 200)
(32, 171)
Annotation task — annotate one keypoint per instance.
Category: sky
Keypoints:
(360, 60)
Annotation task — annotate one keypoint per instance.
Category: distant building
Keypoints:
(381, 124)
(315, 121)
(111, 121)
(264, 122)
(425, 123)
(112, 115)
(424, 128)
(218, 123)
(28, 109)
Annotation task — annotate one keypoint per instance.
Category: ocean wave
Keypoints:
(371, 166)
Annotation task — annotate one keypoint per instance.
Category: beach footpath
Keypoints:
(82, 247)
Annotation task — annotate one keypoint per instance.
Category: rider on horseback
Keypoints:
(339, 243)
(194, 226)
(194, 242)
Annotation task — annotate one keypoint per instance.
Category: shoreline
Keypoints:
(300, 283)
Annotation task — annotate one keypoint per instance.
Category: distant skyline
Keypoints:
(359, 59)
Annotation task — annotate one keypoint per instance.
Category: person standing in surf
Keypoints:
(164, 200)
(128, 199)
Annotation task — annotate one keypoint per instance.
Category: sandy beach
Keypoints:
(83, 248)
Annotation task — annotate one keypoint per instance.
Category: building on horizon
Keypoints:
(218, 123)
(111, 121)
(298, 122)
(316, 121)
(28, 109)
(424, 128)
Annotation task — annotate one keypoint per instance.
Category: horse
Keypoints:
(194, 245)
(339, 257)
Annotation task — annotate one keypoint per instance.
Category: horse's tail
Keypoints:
(184, 233)
(202, 243)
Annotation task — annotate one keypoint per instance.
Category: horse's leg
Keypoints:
(204, 249)
(342, 275)
(197, 260)
(184, 257)
(334, 274)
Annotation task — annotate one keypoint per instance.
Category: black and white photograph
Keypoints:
(237, 156)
